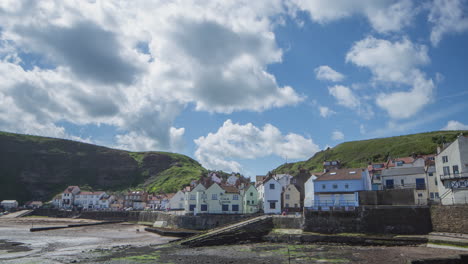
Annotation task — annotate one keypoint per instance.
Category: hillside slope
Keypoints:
(360, 153)
(33, 167)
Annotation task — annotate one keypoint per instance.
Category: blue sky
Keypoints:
(239, 86)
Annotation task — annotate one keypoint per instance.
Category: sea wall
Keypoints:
(391, 219)
(450, 218)
(198, 222)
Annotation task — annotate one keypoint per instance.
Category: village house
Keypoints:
(339, 188)
(68, 197)
(90, 200)
(249, 196)
(309, 193)
(177, 201)
(269, 193)
(33, 204)
(136, 199)
(215, 199)
(9, 204)
(375, 173)
(191, 199)
(291, 198)
(411, 173)
(283, 179)
(452, 172)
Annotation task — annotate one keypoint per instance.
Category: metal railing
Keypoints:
(454, 176)
(417, 186)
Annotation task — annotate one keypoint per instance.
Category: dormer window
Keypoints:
(332, 173)
(352, 172)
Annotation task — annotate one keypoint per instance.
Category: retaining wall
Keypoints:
(199, 222)
(393, 220)
(450, 218)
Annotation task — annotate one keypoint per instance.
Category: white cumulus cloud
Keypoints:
(384, 16)
(396, 63)
(455, 125)
(325, 111)
(236, 141)
(326, 73)
(337, 135)
(344, 96)
(447, 16)
(135, 66)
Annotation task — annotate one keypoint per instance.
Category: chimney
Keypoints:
(438, 149)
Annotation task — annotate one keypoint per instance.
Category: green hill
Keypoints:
(33, 167)
(360, 153)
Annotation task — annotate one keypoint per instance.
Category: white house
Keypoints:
(191, 199)
(309, 191)
(271, 196)
(90, 200)
(177, 201)
(283, 179)
(452, 172)
(406, 177)
(68, 196)
(339, 188)
(215, 178)
(9, 204)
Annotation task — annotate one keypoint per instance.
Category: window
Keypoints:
(235, 197)
(286, 205)
(225, 207)
(272, 205)
(444, 159)
(192, 197)
(455, 169)
(214, 196)
(420, 195)
(335, 186)
(346, 186)
(402, 182)
(446, 170)
(399, 163)
(204, 208)
(431, 174)
(436, 195)
(235, 208)
(287, 196)
(295, 205)
(432, 195)
(248, 202)
(272, 186)
(251, 193)
(436, 182)
(323, 186)
(192, 207)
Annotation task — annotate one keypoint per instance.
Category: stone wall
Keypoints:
(394, 220)
(387, 197)
(288, 222)
(450, 218)
(199, 222)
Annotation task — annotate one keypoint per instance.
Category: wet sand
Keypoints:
(121, 243)
(19, 245)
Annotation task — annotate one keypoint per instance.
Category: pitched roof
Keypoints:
(230, 189)
(69, 189)
(90, 193)
(341, 174)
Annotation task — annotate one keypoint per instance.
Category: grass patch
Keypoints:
(359, 153)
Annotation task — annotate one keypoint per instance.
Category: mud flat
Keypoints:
(19, 245)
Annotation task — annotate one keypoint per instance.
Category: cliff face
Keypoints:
(37, 168)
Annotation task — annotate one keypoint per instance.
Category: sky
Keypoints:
(240, 86)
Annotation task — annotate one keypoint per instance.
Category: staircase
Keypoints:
(251, 229)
